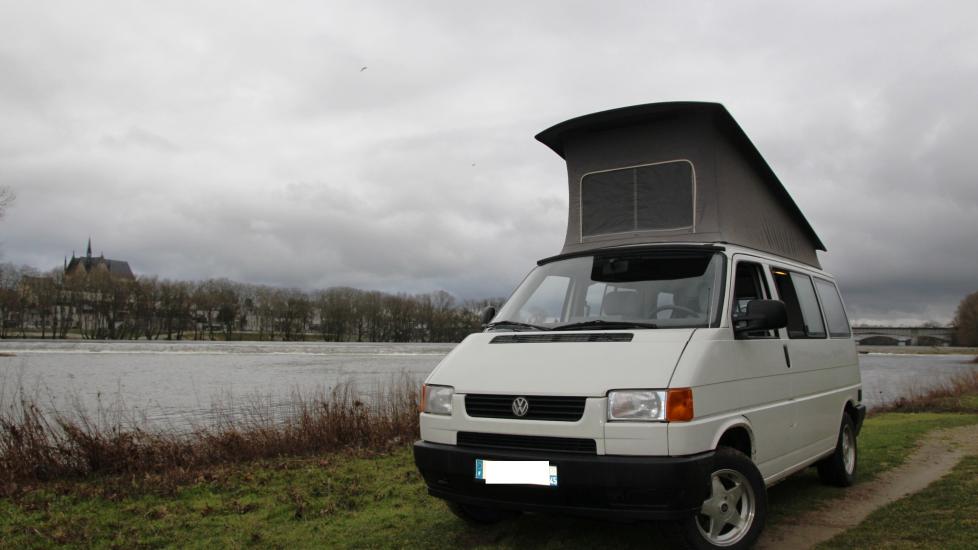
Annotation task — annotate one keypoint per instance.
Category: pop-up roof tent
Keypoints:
(672, 173)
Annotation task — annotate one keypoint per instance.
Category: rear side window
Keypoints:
(644, 198)
(798, 295)
(835, 314)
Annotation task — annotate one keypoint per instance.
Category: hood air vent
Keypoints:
(553, 338)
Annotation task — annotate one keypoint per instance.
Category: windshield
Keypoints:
(646, 289)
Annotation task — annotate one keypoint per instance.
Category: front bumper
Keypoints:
(620, 487)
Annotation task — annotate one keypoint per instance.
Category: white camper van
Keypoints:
(683, 352)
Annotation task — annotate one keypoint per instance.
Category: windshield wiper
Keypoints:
(515, 324)
(601, 324)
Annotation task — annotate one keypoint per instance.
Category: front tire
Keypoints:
(734, 513)
(479, 515)
(839, 468)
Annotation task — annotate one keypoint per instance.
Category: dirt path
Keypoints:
(938, 453)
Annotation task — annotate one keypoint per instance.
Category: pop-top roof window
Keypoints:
(645, 198)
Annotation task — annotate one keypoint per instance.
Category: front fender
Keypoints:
(738, 422)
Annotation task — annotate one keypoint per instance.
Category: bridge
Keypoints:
(903, 336)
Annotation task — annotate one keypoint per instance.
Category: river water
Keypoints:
(180, 383)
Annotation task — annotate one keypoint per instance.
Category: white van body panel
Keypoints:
(616, 438)
(788, 394)
(731, 379)
(587, 369)
(445, 429)
(795, 410)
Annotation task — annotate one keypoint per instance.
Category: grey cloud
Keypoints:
(138, 137)
(243, 140)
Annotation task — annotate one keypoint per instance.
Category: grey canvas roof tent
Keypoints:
(674, 173)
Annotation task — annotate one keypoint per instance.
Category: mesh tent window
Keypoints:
(653, 197)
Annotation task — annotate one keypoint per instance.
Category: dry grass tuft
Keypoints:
(39, 445)
(958, 394)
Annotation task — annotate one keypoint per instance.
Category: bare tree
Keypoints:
(42, 297)
(226, 301)
(175, 305)
(64, 317)
(147, 317)
(9, 299)
(966, 321)
(6, 199)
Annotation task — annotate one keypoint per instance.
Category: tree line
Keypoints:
(100, 306)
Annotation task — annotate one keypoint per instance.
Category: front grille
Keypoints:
(552, 338)
(527, 442)
(542, 407)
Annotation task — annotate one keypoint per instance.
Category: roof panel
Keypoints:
(739, 198)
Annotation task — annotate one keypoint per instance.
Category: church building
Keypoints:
(83, 266)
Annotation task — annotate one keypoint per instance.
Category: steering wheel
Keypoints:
(673, 307)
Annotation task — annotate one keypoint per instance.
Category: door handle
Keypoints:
(787, 358)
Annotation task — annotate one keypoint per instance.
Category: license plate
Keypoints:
(516, 472)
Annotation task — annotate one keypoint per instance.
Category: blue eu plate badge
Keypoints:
(516, 472)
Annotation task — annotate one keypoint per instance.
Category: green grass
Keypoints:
(357, 502)
(944, 515)
(885, 441)
(377, 502)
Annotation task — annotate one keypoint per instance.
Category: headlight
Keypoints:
(437, 399)
(636, 405)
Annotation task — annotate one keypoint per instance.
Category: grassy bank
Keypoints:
(336, 472)
(944, 515)
(37, 445)
(356, 498)
(958, 393)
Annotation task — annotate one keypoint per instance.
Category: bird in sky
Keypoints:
(364, 68)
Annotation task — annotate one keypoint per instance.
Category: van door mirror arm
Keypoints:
(762, 315)
(487, 314)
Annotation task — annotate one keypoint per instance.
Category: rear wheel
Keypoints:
(481, 515)
(839, 468)
(734, 513)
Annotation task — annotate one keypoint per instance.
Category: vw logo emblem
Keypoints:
(520, 406)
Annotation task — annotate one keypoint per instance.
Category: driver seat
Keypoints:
(622, 304)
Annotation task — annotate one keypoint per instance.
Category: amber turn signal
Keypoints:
(422, 401)
(679, 405)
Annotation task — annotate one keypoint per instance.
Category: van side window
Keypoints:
(749, 284)
(835, 313)
(798, 295)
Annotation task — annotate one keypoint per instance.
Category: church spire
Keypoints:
(89, 247)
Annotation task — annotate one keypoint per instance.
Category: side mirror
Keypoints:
(762, 315)
(487, 314)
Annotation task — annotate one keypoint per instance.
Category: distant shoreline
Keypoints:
(889, 350)
(918, 350)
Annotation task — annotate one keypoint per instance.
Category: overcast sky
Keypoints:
(245, 139)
